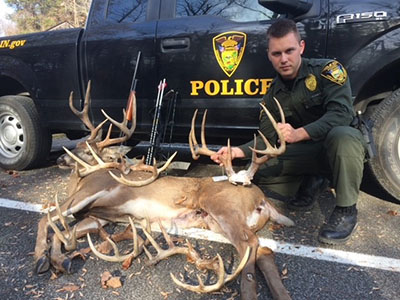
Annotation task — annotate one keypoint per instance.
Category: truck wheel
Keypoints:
(24, 141)
(385, 166)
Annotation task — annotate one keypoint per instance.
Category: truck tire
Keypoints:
(385, 166)
(24, 142)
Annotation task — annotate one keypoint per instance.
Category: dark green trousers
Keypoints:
(340, 158)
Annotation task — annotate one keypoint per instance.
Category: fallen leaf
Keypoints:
(107, 280)
(69, 288)
(114, 282)
(274, 227)
(127, 262)
(165, 294)
(104, 278)
(29, 286)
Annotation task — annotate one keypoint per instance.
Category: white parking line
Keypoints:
(20, 205)
(326, 254)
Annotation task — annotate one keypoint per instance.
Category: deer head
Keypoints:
(102, 148)
(244, 176)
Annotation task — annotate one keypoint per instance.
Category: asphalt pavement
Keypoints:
(366, 267)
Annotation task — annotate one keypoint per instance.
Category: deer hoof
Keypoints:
(66, 265)
(42, 265)
(250, 277)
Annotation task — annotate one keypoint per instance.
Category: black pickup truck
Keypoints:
(213, 53)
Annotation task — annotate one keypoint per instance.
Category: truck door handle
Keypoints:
(175, 44)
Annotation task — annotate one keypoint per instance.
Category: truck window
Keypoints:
(132, 11)
(234, 10)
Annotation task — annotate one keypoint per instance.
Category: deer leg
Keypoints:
(248, 282)
(60, 260)
(266, 263)
(42, 262)
(241, 237)
(234, 227)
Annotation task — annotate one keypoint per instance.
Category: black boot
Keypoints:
(340, 226)
(308, 193)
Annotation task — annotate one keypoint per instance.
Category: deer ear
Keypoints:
(117, 150)
(124, 149)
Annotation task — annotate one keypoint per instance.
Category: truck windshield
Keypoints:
(234, 10)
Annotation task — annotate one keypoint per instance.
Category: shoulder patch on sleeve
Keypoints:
(335, 72)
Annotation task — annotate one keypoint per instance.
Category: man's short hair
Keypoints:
(282, 27)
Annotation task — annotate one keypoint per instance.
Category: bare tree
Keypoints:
(39, 15)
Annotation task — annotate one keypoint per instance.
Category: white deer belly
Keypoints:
(152, 209)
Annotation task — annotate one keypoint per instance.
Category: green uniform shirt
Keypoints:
(319, 99)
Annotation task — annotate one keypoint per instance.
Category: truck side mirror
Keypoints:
(289, 7)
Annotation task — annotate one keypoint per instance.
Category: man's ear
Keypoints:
(302, 46)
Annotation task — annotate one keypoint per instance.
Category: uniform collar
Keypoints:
(303, 72)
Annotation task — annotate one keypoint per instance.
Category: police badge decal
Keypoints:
(229, 49)
(335, 72)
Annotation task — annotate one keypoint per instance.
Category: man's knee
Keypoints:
(345, 140)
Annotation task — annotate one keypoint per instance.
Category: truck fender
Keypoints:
(19, 71)
(374, 57)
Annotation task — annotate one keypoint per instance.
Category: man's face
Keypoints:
(285, 55)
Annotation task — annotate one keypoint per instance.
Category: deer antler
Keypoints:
(269, 151)
(203, 149)
(194, 146)
(222, 277)
(68, 238)
(96, 132)
(243, 176)
(192, 254)
(141, 166)
(123, 126)
(83, 115)
(138, 245)
(88, 169)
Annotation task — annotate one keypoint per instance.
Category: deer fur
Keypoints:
(236, 212)
(96, 199)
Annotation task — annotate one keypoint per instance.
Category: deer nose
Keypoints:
(61, 161)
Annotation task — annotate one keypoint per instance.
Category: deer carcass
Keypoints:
(236, 212)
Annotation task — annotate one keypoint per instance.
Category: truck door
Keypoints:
(214, 54)
(116, 32)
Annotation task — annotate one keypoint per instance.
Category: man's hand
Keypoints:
(223, 152)
(292, 135)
